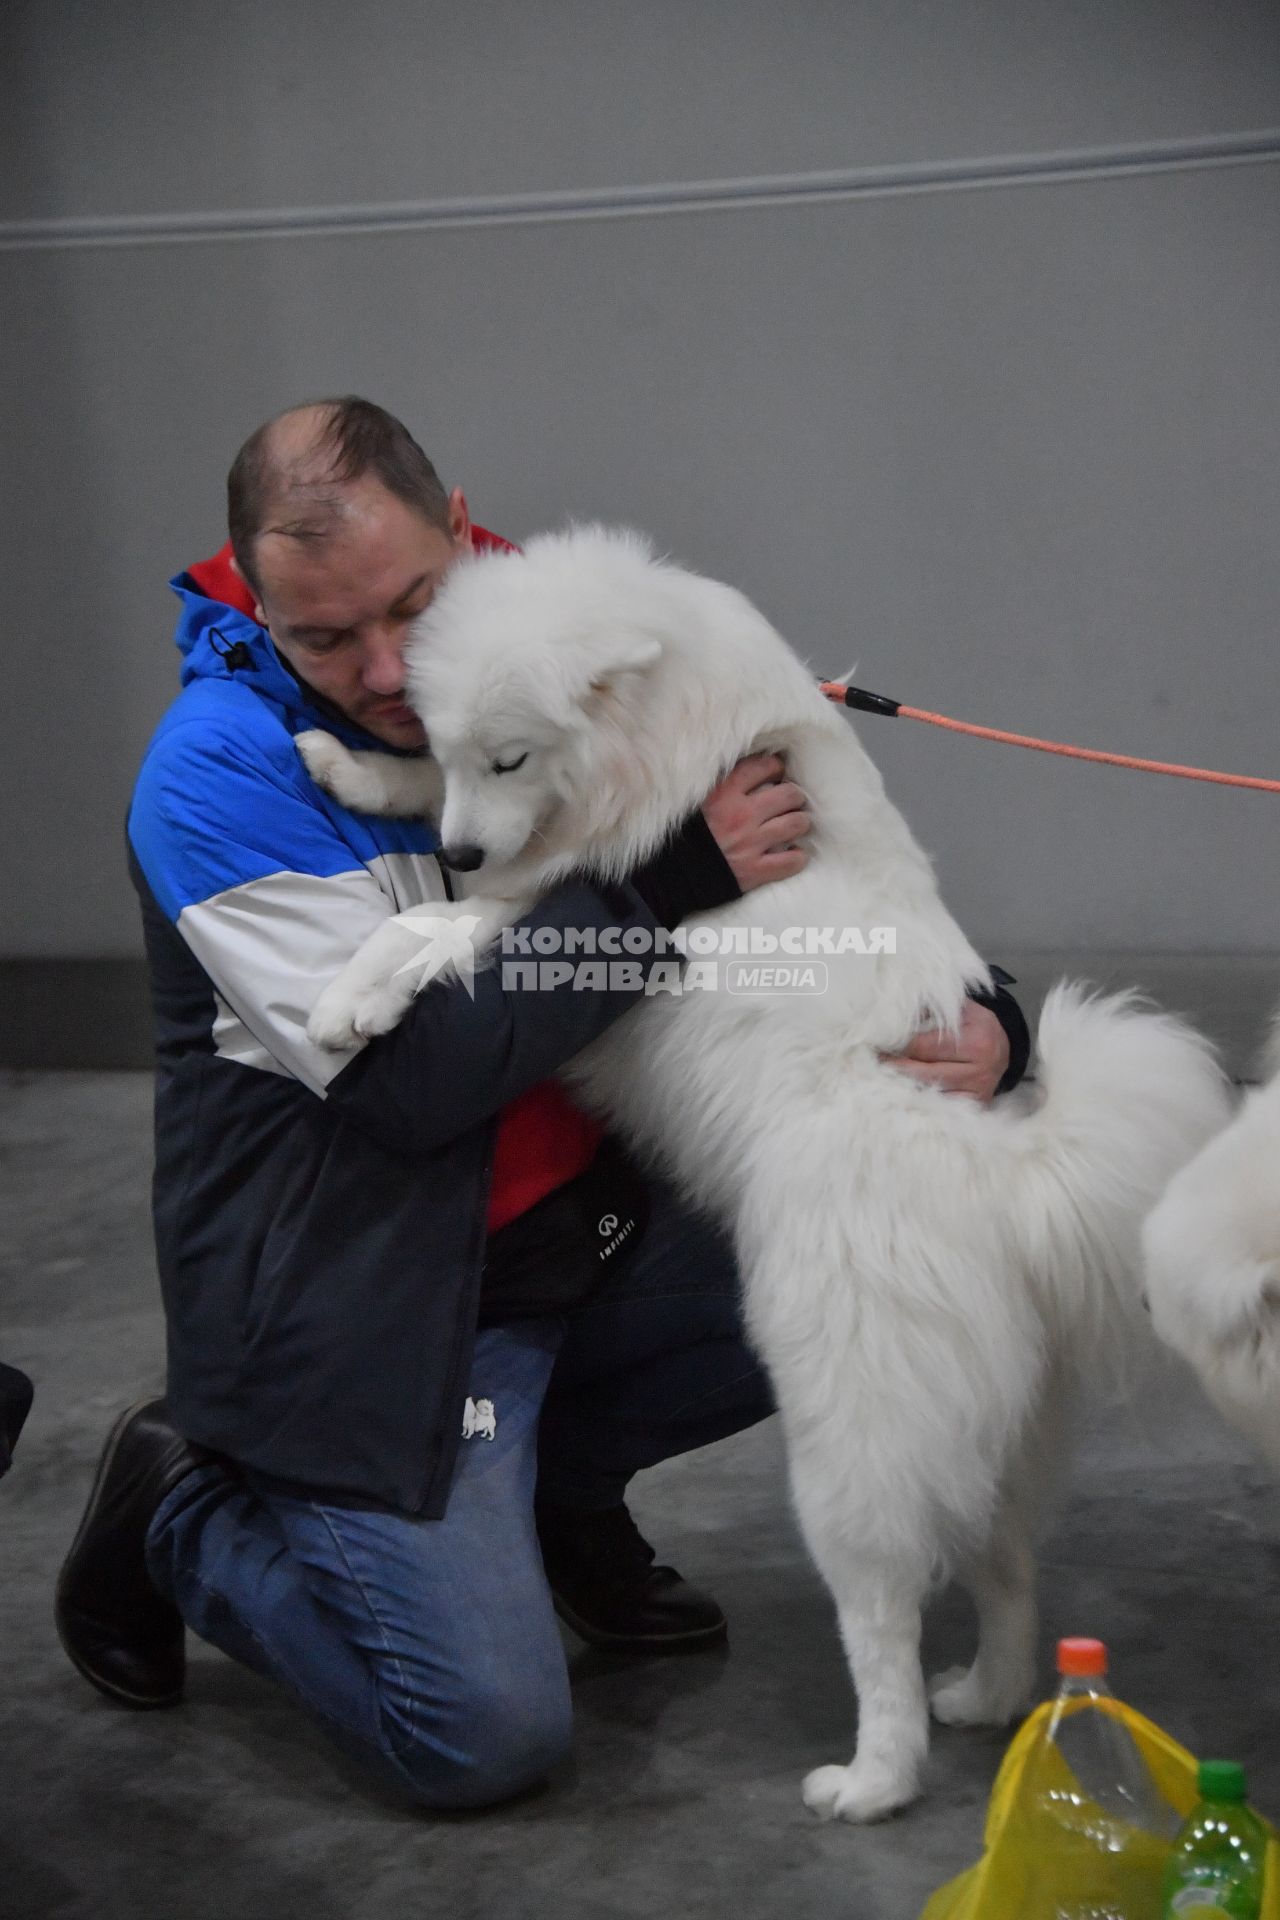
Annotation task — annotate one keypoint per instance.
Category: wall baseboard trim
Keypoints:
(642, 201)
(95, 1015)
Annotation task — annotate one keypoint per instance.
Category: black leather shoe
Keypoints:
(604, 1584)
(15, 1404)
(118, 1631)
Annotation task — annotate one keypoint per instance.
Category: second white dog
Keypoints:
(922, 1276)
(1213, 1266)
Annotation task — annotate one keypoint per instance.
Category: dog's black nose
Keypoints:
(462, 859)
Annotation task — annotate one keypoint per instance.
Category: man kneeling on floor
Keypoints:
(414, 1358)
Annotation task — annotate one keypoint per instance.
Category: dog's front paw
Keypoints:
(958, 1698)
(859, 1792)
(342, 1017)
(324, 758)
(333, 1021)
(383, 1008)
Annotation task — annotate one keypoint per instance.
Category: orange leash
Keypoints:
(866, 702)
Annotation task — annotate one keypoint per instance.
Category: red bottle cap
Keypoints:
(1081, 1659)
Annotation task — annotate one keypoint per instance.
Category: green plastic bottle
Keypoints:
(1216, 1868)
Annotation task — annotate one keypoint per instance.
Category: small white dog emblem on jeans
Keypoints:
(478, 1417)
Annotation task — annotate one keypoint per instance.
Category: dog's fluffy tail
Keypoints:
(1130, 1095)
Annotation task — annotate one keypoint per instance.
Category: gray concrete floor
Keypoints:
(683, 1796)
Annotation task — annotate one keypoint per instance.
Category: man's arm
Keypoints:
(248, 864)
(744, 836)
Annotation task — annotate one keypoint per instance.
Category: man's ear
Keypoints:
(459, 520)
(259, 611)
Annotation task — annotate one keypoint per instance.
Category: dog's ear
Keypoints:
(636, 657)
(613, 656)
(591, 674)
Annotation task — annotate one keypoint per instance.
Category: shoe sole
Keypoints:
(110, 1688)
(691, 1640)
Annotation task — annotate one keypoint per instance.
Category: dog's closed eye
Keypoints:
(509, 766)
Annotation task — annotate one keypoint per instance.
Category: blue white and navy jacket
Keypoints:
(320, 1218)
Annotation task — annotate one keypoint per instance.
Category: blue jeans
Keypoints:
(430, 1648)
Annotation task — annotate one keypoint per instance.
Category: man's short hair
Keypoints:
(356, 438)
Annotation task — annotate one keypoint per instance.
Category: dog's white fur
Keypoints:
(1212, 1250)
(922, 1276)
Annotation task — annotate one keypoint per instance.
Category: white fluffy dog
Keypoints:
(922, 1276)
(1213, 1265)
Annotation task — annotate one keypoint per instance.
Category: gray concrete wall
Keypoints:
(1010, 445)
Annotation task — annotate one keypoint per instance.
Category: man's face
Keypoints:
(339, 609)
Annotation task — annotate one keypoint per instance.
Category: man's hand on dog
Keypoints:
(757, 817)
(972, 1062)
